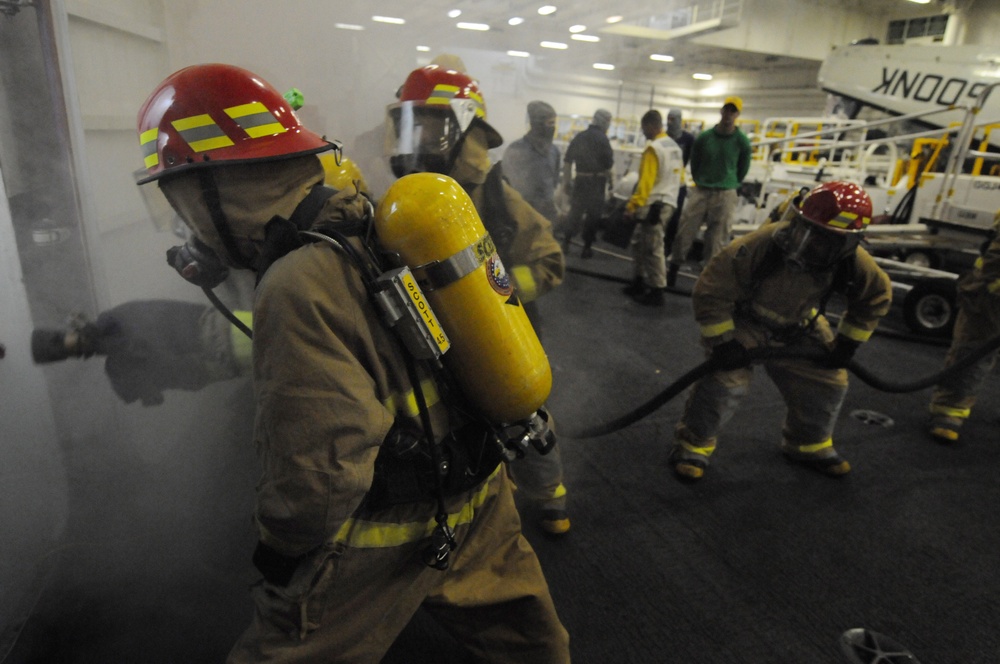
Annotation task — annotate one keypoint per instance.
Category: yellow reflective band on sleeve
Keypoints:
(947, 411)
(709, 331)
(527, 288)
(147, 141)
(406, 404)
(242, 345)
(815, 447)
(852, 332)
(703, 451)
(362, 534)
(255, 120)
(993, 286)
(201, 133)
(978, 265)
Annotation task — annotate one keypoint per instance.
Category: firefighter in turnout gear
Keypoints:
(438, 125)
(978, 321)
(769, 288)
(380, 491)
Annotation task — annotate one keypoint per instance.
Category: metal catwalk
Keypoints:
(760, 562)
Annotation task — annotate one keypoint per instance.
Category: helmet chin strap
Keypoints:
(210, 192)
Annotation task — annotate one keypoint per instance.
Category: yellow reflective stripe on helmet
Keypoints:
(406, 404)
(948, 411)
(480, 106)
(703, 451)
(147, 141)
(815, 447)
(362, 534)
(255, 119)
(709, 331)
(853, 332)
(442, 94)
(845, 219)
(201, 133)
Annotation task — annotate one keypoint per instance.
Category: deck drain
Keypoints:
(873, 418)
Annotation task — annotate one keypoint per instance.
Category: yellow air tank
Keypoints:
(495, 355)
(341, 172)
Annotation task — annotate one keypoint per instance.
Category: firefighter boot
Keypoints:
(944, 429)
(689, 462)
(635, 287)
(554, 521)
(820, 457)
(672, 271)
(651, 298)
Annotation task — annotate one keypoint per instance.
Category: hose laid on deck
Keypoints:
(770, 353)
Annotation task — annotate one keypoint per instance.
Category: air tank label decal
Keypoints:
(497, 276)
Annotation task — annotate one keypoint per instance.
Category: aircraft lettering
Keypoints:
(926, 87)
(980, 184)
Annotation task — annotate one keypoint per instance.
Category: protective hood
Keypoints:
(250, 196)
(472, 164)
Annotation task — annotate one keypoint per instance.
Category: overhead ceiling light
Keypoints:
(614, 19)
(423, 49)
(388, 19)
(659, 57)
(518, 54)
(454, 13)
(548, 44)
(545, 10)
(577, 28)
(921, 2)
(702, 77)
(586, 38)
(482, 27)
(515, 20)
(604, 66)
(348, 26)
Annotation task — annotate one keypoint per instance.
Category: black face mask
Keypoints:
(809, 248)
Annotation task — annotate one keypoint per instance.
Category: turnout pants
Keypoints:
(813, 395)
(978, 321)
(349, 602)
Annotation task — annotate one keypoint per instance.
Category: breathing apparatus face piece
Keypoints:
(197, 263)
(249, 195)
(810, 247)
(421, 139)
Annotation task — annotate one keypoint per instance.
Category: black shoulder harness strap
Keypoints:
(281, 235)
(496, 218)
(843, 275)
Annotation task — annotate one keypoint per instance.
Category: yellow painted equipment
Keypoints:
(495, 356)
(341, 172)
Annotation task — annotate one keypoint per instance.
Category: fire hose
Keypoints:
(765, 353)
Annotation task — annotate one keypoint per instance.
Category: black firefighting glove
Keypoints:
(151, 346)
(841, 353)
(730, 355)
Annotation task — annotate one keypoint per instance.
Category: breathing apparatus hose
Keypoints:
(771, 353)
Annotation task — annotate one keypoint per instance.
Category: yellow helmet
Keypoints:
(341, 172)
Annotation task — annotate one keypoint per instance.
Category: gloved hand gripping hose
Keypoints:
(767, 353)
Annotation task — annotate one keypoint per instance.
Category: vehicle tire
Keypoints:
(930, 308)
(922, 259)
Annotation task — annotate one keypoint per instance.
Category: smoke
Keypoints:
(126, 529)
